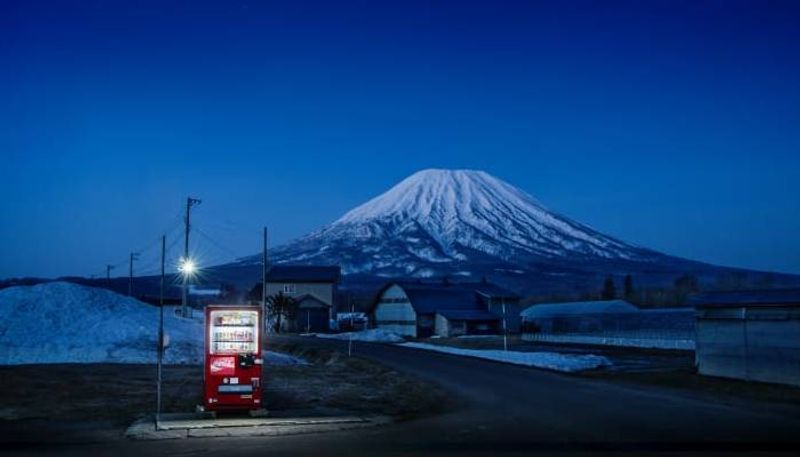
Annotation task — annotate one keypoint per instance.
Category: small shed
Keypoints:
(750, 335)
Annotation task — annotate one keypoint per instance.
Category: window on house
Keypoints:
(289, 288)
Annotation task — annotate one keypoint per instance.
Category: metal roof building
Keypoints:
(750, 335)
(419, 309)
(578, 308)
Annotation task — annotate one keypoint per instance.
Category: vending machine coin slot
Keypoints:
(247, 360)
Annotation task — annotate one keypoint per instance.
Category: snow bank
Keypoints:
(549, 360)
(648, 343)
(374, 335)
(61, 322)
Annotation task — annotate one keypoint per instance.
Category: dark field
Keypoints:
(111, 396)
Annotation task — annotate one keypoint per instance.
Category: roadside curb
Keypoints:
(180, 428)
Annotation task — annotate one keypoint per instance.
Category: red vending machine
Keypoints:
(233, 358)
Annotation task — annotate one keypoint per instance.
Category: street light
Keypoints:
(187, 267)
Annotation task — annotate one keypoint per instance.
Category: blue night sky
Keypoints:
(673, 125)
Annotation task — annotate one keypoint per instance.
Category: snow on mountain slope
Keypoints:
(61, 322)
(468, 207)
(447, 222)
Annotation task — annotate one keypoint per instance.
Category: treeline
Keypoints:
(676, 294)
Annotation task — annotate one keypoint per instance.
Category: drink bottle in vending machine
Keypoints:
(233, 364)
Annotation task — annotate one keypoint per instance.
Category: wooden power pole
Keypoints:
(134, 256)
(160, 330)
(185, 299)
(264, 265)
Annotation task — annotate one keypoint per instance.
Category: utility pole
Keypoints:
(352, 329)
(160, 330)
(505, 328)
(264, 282)
(264, 319)
(108, 274)
(134, 256)
(185, 301)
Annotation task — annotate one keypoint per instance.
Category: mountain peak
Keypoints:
(449, 222)
(443, 195)
(463, 211)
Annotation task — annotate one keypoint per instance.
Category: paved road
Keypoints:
(506, 409)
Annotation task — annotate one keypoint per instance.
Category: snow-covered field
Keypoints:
(549, 360)
(61, 322)
(375, 335)
(648, 343)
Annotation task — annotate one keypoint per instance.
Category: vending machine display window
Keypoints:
(233, 332)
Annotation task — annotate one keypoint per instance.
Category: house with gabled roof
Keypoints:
(313, 288)
(422, 309)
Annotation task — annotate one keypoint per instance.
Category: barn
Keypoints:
(421, 309)
(750, 335)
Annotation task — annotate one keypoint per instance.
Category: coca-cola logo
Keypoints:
(223, 365)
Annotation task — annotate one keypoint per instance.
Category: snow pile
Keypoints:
(61, 322)
(549, 360)
(374, 335)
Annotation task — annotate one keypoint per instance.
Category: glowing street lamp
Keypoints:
(187, 267)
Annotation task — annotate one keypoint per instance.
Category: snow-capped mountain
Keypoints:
(456, 223)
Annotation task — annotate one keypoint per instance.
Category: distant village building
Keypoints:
(750, 335)
(312, 287)
(422, 309)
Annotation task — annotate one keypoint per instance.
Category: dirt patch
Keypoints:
(120, 393)
(117, 393)
(335, 381)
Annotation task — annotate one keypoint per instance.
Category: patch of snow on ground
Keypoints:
(374, 335)
(549, 360)
(62, 322)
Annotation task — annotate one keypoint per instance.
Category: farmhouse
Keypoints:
(419, 309)
(312, 287)
(750, 335)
